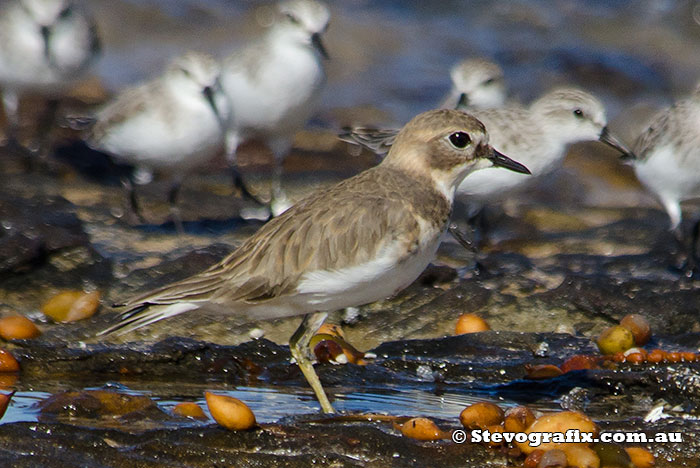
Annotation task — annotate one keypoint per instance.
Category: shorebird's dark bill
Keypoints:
(46, 37)
(611, 140)
(318, 44)
(209, 96)
(463, 101)
(501, 160)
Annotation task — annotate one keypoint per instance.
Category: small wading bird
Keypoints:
(171, 124)
(668, 164)
(538, 136)
(45, 46)
(274, 86)
(360, 241)
(476, 84)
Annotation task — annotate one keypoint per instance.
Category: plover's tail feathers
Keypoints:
(378, 141)
(164, 302)
(146, 314)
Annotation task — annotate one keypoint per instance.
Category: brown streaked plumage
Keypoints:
(361, 240)
(365, 210)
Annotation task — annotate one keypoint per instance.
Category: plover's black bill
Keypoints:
(613, 141)
(501, 160)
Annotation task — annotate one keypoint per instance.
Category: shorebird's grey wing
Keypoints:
(129, 103)
(659, 131)
(378, 141)
(674, 128)
(511, 129)
(246, 61)
(333, 229)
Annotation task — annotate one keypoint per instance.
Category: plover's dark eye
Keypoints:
(66, 12)
(460, 140)
(490, 81)
(578, 113)
(292, 18)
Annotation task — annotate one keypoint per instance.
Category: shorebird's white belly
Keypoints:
(180, 141)
(377, 279)
(671, 181)
(662, 174)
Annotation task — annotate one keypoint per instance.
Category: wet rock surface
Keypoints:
(558, 263)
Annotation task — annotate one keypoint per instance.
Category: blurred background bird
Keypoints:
(274, 84)
(668, 164)
(477, 83)
(171, 124)
(45, 47)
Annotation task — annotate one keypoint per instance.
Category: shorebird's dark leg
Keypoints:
(279, 202)
(232, 140)
(479, 224)
(10, 103)
(690, 267)
(242, 187)
(128, 185)
(460, 238)
(45, 126)
(174, 209)
(299, 346)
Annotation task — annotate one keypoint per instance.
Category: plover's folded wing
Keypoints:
(344, 226)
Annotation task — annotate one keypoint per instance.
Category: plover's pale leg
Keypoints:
(299, 346)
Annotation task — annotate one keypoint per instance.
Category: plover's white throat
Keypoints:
(171, 124)
(668, 160)
(274, 84)
(477, 83)
(359, 241)
(45, 45)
